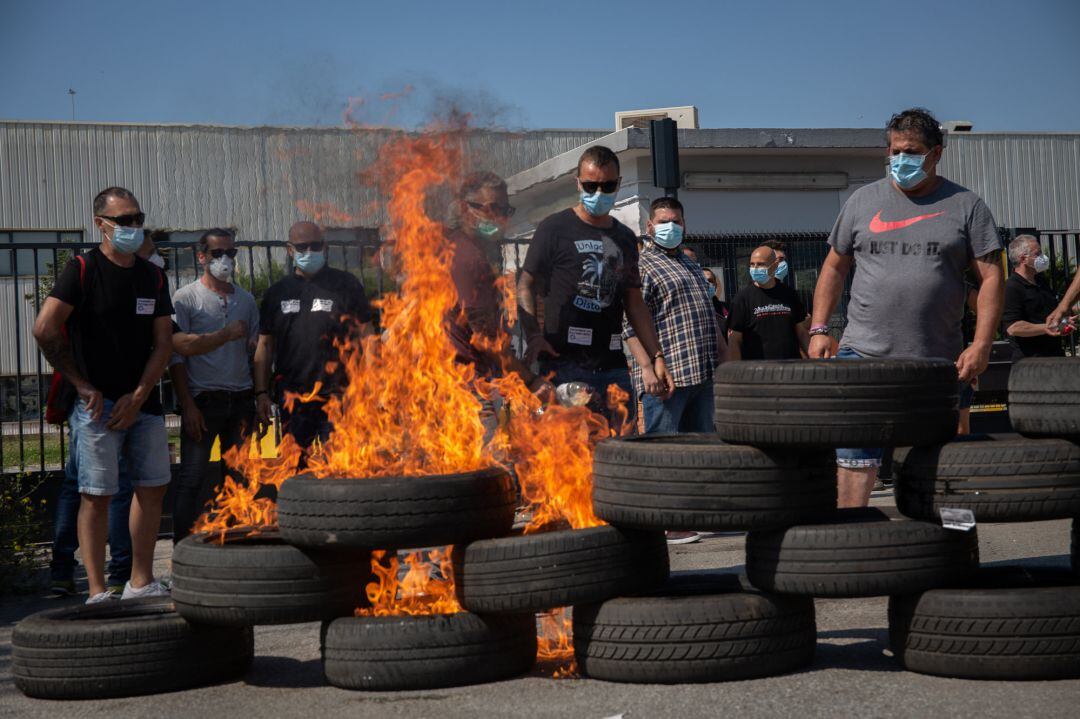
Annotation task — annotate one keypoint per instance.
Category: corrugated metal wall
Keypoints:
(194, 177)
(1028, 180)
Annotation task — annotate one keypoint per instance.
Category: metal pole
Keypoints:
(72, 94)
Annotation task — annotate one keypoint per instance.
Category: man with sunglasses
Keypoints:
(116, 310)
(301, 318)
(219, 328)
(584, 263)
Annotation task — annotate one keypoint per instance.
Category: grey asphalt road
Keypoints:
(853, 674)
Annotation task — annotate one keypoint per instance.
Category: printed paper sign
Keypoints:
(144, 306)
(580, 336)
(616, 342)
(322, 305)
(962, 519)
(289, 307)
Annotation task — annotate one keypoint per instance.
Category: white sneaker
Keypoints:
(153, 589)
(107, 596)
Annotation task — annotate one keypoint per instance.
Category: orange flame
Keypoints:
(555, 642)
(420, 591)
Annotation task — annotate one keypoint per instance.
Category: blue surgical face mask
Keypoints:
(309, 262)
(781, 270)
(759, 274)
(907, 170)
(712, 290)
(668, 235)
(127, 240)
(599, 203)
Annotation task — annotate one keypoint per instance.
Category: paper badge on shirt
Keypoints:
(579, 336)
(616, 342)
(144, 305)
(289, 307)
(322, 305)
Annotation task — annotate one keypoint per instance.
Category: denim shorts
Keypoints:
(862, 458)
(145, 446)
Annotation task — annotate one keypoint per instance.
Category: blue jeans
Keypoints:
(66, 531)
(597, 379)
(862, 458)
(689, 409)
(98, 451)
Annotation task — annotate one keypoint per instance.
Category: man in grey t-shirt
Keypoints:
(219, 327)
(910, 237)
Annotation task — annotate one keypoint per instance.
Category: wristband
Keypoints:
(818, 330)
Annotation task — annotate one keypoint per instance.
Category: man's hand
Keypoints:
(973, 361)
(652, 383)
(93, 400)
(667, 386)
(820, 347)
(263, 419)
(1054, 330)
(193, 421)
(236, 330)
(536, 346)
(124, 412)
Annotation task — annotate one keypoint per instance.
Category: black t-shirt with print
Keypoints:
(582, 273)
(767, 320)
(305, 317)
(112, 326)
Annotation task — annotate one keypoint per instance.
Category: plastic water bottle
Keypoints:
(573, 394)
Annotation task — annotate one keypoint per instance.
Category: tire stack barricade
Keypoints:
(1011, 621)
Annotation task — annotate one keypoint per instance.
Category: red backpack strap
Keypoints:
(82, 270)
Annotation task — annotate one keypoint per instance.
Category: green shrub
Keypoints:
(20, 558)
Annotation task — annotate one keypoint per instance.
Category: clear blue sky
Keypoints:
(1005, 64)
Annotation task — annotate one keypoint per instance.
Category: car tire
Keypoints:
(1044, 397)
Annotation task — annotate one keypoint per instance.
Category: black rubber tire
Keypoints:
(1044, 397)
(1015, 480)
(427, 652)
(396, 512)
(1074, 547)
(697, 482)
(254, 580)
(837, 403)
(706, 627)
(1013, 623)
(860, 553)
(539, 572)
(138, 646)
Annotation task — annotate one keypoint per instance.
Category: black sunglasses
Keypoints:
(315, 246)
(493, 209)
(606, 187)
(231, 252)
(133, 220)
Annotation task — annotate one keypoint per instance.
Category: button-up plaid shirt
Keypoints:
(680, 300)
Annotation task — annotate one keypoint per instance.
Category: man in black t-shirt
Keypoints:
(767, 316)
(1028, 300)
(583, 262)
(106, 328)
(301, 317)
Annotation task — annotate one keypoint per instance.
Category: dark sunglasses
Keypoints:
(493, 209)
(606, 187)
(315, 246)
(231, 252)
(134, 220)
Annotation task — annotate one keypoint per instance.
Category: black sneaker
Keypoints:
(62, 587)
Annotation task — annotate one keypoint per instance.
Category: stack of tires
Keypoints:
(1008, 622)
(769, 470)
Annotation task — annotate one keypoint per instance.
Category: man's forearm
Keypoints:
(734, 352)
(826, 295)
(262, 369)
(637, 313)
(641, 357)
(180, 383)
(190, 345)
(1026, 329)
(57, 350)
(155, 367)
(991, 302)
(526, 299)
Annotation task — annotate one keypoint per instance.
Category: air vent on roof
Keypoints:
(685, 117)
(958, 126)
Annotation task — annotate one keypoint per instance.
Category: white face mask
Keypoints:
(156, 260)
(222, 268)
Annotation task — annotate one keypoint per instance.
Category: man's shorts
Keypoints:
(145, 445)
(863, 457)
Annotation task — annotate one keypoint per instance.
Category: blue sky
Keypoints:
(846, 63)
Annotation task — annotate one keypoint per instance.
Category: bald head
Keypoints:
(305, 231)
(763, 257)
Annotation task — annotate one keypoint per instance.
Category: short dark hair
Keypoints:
(101, 200)
(600, 156)
(775, 245)
(920, 121)
(204, 241)
(478, 180)
(665, 203)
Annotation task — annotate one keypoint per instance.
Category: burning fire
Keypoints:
(411, 410)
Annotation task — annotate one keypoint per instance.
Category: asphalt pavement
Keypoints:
(853, 673)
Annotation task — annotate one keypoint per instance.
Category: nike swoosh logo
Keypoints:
(878, 225)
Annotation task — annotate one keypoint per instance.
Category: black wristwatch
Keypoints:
(659, 355)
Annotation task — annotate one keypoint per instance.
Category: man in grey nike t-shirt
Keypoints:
(910, 237)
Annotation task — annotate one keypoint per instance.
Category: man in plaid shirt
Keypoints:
(680, 300)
